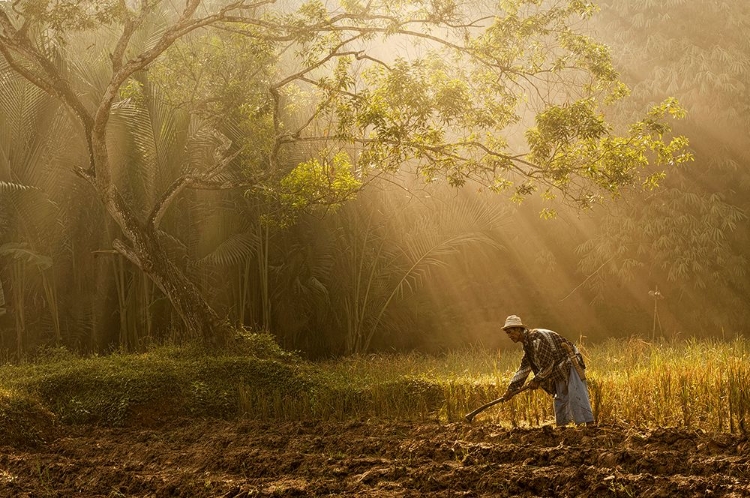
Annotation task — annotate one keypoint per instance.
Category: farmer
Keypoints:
(558, 369)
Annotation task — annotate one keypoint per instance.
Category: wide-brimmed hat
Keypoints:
(513, 321)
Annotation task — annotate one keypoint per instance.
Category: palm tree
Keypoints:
(33, 216)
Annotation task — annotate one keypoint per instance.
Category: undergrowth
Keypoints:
(698, 384)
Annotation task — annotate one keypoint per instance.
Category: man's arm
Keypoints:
(519, 377)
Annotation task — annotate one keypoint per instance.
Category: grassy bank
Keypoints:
(696, 384)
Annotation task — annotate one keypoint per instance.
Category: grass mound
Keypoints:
(23, 420)
(253, 379)
(168, 382)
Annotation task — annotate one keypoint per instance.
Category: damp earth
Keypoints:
(216, 458)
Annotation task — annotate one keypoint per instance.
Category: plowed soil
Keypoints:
(210, 458)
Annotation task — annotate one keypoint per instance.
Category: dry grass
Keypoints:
(694, 384)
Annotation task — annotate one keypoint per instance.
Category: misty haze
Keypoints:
(374, 248)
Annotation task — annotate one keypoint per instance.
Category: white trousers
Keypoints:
(572, 400)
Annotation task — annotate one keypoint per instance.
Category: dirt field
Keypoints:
(240, 459)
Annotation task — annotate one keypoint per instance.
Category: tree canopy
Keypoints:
(306, 102)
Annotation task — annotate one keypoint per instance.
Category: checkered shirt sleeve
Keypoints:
(521, 374)
(544, 354)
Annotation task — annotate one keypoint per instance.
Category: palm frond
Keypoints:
(64, 148)
(89, 68)
(33, 213)
(36, 134)
(21, 251)
(233, 250)
(25, 112)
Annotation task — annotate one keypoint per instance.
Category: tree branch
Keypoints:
(120, 247)
(201, 180)
(129, 28)
(183, 26)
(49, 80)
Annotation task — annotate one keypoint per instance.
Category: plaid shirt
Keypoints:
(545, 356)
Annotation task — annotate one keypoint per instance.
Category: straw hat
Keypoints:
(513, 321)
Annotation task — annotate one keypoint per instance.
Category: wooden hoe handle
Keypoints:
(470, 416)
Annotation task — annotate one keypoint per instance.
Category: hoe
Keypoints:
(470, 416)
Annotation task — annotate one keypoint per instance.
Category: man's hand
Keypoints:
(534, 383)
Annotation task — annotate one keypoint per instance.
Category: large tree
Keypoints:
(304, 102)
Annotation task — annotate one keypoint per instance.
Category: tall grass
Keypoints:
(697, 384)
(702, 384)
(694, 384)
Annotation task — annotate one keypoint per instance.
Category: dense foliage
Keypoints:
(689, 240)
(307, 115)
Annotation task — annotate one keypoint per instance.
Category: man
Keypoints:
(558, 369)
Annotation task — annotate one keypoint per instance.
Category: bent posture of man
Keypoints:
(558, 369)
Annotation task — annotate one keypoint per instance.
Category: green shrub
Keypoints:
(165, 382)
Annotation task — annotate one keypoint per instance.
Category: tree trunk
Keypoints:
(198, 316)
(142, 249)
(147, 254)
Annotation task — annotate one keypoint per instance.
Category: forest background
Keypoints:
(407, 266)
